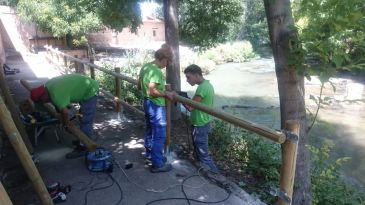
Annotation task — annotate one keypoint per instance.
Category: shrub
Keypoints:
(328, 187)
(130, 65)
(237, 52)
(258, 157)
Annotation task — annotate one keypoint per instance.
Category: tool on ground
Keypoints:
(100, 160)
(128, 164)
(58, 192)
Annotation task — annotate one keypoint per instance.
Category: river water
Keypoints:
(249, 90)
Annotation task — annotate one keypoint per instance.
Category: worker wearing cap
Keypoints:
(63, 90)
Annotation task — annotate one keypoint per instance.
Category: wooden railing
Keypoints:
(288, 138)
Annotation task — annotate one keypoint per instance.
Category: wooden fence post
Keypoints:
(118, 106)
(4, 197)
(168, 120)
(92, 69)
(289, 157)
(65, 63)
(76, 65)
(24, 156)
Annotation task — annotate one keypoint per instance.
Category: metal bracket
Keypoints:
(284, 196)
(281, 194)
(294, 138)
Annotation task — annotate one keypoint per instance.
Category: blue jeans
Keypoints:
(154, 139)
(200, 139)
(87, 109)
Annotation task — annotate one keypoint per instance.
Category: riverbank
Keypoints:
(250, 90)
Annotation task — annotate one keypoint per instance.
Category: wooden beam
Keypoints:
(118, 91)
(168, 120)
(24, 156)
(4, 197)
(9, 101)
(275, 136)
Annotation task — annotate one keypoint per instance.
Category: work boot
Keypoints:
(79, 151)
(165, 168)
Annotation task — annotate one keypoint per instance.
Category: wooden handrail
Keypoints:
(271, 134)
(121, 76)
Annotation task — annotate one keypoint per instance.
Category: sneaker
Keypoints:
(148, 160)
(165, 168)
(76, 153)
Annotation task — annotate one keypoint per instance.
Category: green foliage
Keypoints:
(254, 27)
(333, 32)
(262, 159)
(135, 60)
(204, 23)
(237, 52)
(118, 14)
(76, 18)
(257, 156)
(327, 185)
(59, 17)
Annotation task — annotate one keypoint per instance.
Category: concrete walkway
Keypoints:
(123, 135)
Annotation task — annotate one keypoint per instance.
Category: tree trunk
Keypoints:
(172, 38)
(291, 89)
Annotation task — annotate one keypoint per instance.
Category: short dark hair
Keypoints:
(164, 53)
(193, 69)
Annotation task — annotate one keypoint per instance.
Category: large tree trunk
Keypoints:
(291, 89)
(172, 38)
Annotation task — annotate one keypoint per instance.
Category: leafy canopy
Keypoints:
(205, 23)
(332, 31)
(79, 17)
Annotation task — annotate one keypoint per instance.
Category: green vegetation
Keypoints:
(327, 184)
(76, 18)
(204, 23)
(256, 163)
(135, 60)
(332, 32)
(256, 160)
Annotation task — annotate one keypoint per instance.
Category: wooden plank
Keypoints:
(4, 197)
(14, 112)
(23, 154)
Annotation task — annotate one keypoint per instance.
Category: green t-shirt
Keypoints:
(150, 73)
(72, 88)
(206, 91)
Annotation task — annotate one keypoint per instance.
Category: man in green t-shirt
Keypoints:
(63, 90)
(200, 120)
(152, 85)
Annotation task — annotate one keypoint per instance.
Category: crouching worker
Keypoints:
(63, 90)
(200, 120)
